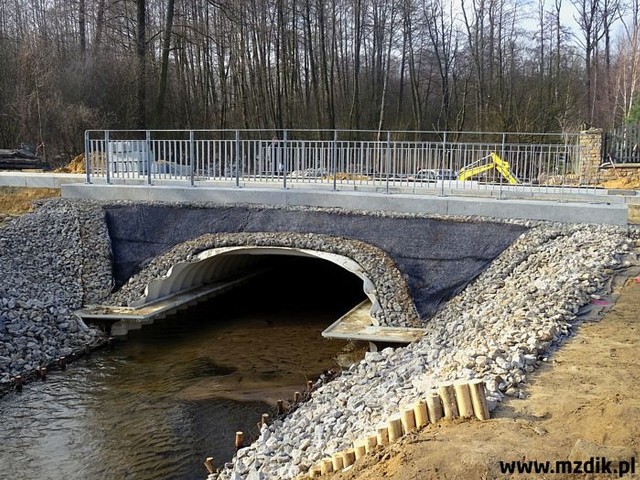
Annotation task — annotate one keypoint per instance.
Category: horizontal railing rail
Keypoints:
(427, 161)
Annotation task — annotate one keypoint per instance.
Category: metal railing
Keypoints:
(622, 144)
(390, 160)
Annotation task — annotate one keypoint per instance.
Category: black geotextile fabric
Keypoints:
(437, 257)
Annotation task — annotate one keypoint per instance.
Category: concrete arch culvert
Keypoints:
(214, 257)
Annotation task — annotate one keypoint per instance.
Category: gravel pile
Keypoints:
(51, 260)
(499, 329)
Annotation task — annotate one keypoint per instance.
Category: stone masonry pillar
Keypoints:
(590, 155)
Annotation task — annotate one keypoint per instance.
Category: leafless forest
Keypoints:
(492, 65)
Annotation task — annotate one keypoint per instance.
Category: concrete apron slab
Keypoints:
(358, 325)
(612, 212)
(122, 319)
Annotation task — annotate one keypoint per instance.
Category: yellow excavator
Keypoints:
(490, 162)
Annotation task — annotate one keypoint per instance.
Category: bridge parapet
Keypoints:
(341, 159)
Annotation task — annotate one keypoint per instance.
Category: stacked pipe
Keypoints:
(449, 401)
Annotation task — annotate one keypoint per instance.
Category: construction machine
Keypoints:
(490, 162)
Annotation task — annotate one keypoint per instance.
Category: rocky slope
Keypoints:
(51, 261)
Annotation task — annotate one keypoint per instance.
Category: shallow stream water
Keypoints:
(174, 393)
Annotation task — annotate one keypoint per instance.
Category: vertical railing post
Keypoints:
(388, 161)
(444, 149)
(564, 170)
(237, 158)
(192, 163)
(502, 157)
(107, 155)
(148, 161)
(87, 156)
(285, 159)
(334, 160)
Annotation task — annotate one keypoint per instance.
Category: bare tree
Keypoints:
(164, 65)
(141, 51)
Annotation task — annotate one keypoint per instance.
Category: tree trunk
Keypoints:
(82, 28)
(164, 66)
(141, 50)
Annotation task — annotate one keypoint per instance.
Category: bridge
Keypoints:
(326, 191)
(169, 256)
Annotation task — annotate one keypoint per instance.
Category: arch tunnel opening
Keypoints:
(290, 286)
(262, 340)
(303, 284)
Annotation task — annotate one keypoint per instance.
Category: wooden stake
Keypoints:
(479, 400)
(296, 397)
(434, 407)
(408, 419)
(421, 414)
(370, 442)
(394, 425)
(359, 448)
(326, 466)
(348, 457)
(337, 461)
(309, 385)
(448, 397)
(62, 362)
(239, 440)
(209, 464)
(18, 382)
(264, 420)
(463, 400)
(382, 436)
(280, 406)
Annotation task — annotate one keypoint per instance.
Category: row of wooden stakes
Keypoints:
(18, 380)
(59, 364)
(282, 408)
(449, 401)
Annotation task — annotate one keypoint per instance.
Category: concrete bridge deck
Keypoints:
(585, 209)
(563, 204)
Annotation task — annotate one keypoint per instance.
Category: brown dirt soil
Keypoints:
(76, 165)
(18, 200)
(582, 403)
(627, 183)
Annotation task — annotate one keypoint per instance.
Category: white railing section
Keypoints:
(414, 161)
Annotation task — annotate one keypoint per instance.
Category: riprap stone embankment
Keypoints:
(51, 262)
